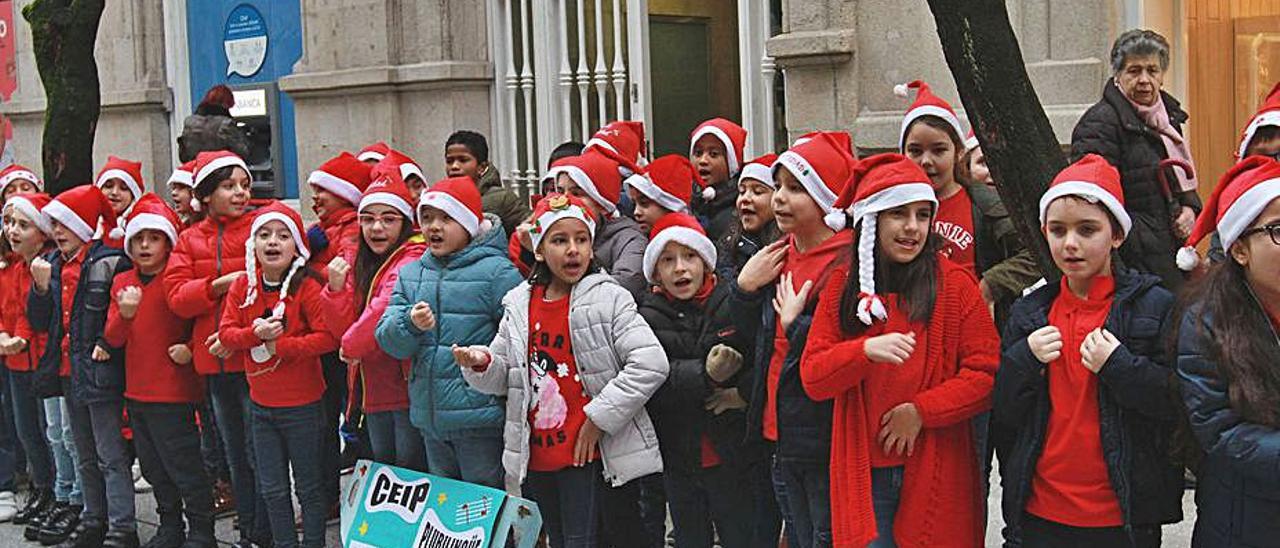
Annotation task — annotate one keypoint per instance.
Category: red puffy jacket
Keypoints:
(342, 229)
(205, 251)
(15, 282)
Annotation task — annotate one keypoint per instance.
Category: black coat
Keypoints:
(1238, 481)
(688, 331)
(1138, 407)
(1111, 128)
(91, 381)
(718, 214)
(736, 246)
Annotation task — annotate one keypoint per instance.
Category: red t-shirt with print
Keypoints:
(558, 398)
(954, 222)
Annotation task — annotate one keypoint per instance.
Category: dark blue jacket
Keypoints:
(1138, 410)
(91, 381)
(1238, 482)
(804, 425)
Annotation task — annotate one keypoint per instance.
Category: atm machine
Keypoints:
(257, 114)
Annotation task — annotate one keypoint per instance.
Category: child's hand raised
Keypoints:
(100, 354)
(1046, 343)
(1097, 348)
(894, 348)
(269, 329)
(472, 357)
(522, 232)
(128, 299)
(788, 302)
(180, 354)
(41, 273)
(216, 348)
(763, 267)
(338, 269)
(422, 316)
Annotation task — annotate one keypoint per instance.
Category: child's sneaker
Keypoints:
(8, 506)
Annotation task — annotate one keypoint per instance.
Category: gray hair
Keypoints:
(1140, 43)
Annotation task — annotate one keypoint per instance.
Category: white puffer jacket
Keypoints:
(619, 360)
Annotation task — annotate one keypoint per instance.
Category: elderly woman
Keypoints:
(1136, 126)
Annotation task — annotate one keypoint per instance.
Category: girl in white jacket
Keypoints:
(577, 364)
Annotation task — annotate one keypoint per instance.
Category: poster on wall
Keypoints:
(8, 52)
(384, 506)
(244, 40)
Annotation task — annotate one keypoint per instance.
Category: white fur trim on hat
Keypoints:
(123, 175)
(759, 172)
(544, 222)
(149, 221)
(970, 143)
(1245, 210)
(927, 110)
(409, 168)
(28, 210)
(644, 185)
(589, 187)
(453, 208)
(1090, 192)
(808, 177)
(682, 235)
(10, 177)
(299, 239)
(219, 163)
(387, 199)
(337, 185)
(251, 258)
(371, 155)
(181, 177)
(730, 153)
(598, 142)
(866, 211)
(1268, 118)
(59, 211)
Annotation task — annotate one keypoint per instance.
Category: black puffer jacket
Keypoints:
(1111, 128)
(688, 331)
(211, 128)
(735, 247)
(717, 215)
(1139, 408)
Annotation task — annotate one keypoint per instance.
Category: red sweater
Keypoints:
(291, 377)
(15, 284)
(941, 490)
(150, 376)
(342, 229)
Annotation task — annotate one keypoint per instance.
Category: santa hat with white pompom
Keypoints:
(1241, 195)
(926, 104)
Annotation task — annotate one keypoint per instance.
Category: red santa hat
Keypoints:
(30, 205)
(183, 175)
(624, 138)
(926, 104)
(388, 188)
(274, 211)
(15, 172)
(731, 135)
(822, 162)
(80, 209)
(458, 198)
(668, 181)
(760, 169)
(374, 153)
(403, 163)
(1096, 181)
(970, 141)
(681, 228)
(128, 171)
(879, 183)
(1267, 115)
(596, 174)
(151, 213)
(344, 175)
(1241, 195)
(554, 207)
(206, 164)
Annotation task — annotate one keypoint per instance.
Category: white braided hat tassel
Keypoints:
(870, 307)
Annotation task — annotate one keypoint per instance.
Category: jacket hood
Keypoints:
(489, 243)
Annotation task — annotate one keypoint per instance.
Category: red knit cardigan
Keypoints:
(941, 499)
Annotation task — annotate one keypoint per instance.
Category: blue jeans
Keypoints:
(720, 495)
(808, 488)
(570, 501)
(168, 446)
(783, 505)
(394, 440)
(290, 438)
(105, 463)
(886, 491)
(475, 460)
(28, 420)
(62, 445)
(230, 395)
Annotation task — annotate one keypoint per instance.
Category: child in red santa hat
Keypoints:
(903, 344)
(181, 185)
(665, 186)
(336, 187)
(716, 147)
(17, 179)
(754, 226)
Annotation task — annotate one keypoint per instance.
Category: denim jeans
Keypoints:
(288, 438)
(886, 491)
(168, 446)
(62, 445)
(335, 401)
(1038, 532)
(783, 502)
(570, 502)
(720, 495)
(215, 462)
(28, 419)
(808, 488)
(394, 440)
(230, 395)
(105, 463)
(475, 459)
(8, 440)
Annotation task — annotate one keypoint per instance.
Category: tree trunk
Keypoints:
(63, 33)
(1021, 149)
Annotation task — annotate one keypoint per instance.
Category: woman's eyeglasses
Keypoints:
(1272, 230)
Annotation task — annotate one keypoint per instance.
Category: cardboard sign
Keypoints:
(384, 506)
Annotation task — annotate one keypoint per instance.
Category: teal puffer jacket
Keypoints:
(465, 293)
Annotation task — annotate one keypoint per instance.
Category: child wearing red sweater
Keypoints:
(904, 345)
(274, 315)
(161, 386)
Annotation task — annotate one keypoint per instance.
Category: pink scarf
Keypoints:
(1175, 145)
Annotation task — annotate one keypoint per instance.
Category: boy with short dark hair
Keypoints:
(466, 154)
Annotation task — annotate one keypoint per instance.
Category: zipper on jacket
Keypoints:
(217, 272)
(431, 369)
